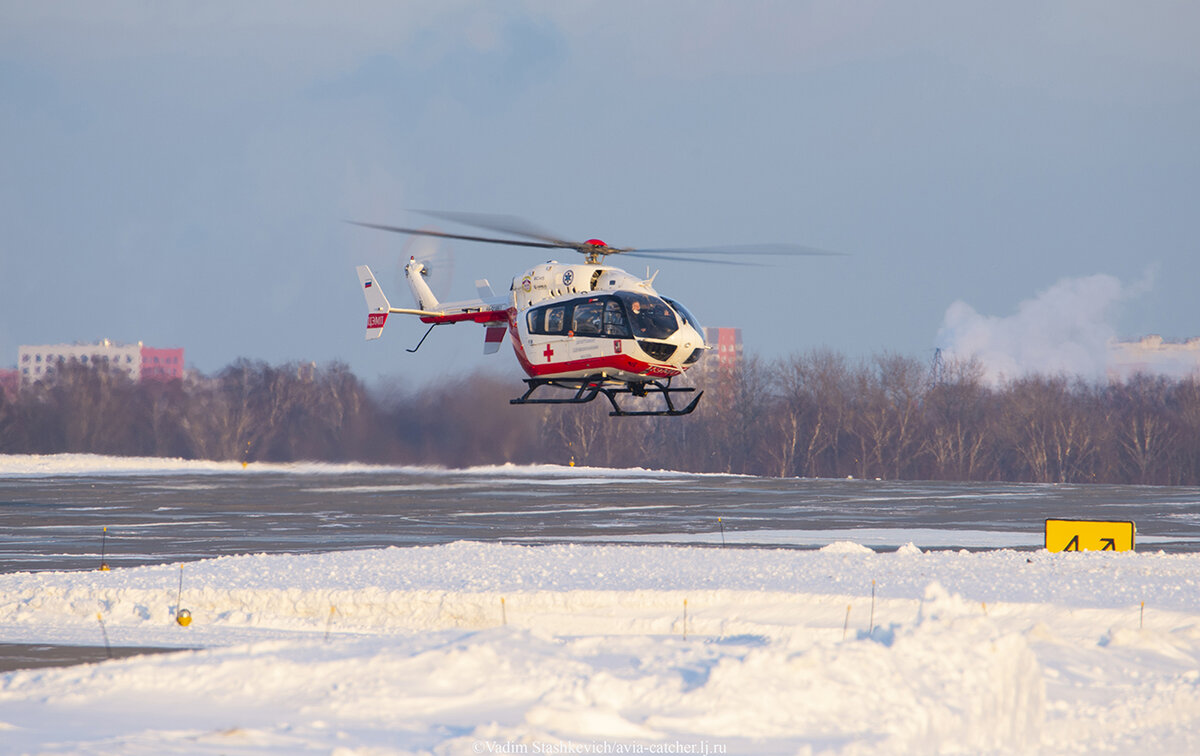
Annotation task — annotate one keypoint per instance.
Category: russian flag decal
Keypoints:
(367, 285)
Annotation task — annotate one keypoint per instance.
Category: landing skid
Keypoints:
(588, 389)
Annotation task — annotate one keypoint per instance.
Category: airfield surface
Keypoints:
(488, 647)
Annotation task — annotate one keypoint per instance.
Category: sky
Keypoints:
(180, 173)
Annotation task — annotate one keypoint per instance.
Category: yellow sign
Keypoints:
(1089, 535)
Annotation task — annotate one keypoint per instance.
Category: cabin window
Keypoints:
(597, 316)
(587, 318)
(615, 326)
(547, 320)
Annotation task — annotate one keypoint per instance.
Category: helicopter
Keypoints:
(589, 328)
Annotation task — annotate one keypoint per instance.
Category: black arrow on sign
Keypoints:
(1112, 544)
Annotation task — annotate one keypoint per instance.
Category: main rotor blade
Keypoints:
(508, 224)
(655, 255)
(443, 235)
(789, 250)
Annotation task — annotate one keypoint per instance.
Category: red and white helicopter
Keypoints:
(587, 327)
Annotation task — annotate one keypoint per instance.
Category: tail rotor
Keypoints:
(438, 259)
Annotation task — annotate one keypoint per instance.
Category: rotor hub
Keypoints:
(594, 248)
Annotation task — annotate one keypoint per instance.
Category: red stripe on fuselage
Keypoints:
(483, 316)
(609, 364)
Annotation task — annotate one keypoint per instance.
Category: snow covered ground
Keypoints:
(477, 647)
(486, 648)
(66, 465)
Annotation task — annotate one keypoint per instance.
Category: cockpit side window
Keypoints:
(650, 317)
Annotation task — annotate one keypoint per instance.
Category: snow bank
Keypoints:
(40, 465)
(474, 648)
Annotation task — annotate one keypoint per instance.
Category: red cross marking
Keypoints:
(549, 353)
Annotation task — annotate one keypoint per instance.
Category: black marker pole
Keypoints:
(182, 616)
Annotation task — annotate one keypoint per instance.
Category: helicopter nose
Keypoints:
(687, 339)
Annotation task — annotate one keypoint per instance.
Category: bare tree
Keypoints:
(884, 416)
(1027, 409)
(812, 391)
(902, 381)
(1143, 427)
(957, 412)
(1183, 404)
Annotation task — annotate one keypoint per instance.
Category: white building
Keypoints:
(1154, 355)
(138, 361)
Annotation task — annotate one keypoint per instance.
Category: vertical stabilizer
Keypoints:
(377, 303)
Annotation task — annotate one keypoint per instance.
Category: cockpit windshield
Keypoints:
(650, 317)
(686, 316)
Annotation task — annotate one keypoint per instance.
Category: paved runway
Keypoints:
(56, 522)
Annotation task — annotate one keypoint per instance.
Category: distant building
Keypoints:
(1154, 355)
(161, 364)
(138, 361)
(727, 344)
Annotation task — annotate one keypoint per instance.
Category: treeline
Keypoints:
(815, 415)
(820, 415)
(252, 411)
(248, 411)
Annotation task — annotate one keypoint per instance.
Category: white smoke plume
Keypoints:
(1065, 329)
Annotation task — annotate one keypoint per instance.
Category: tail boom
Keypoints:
(430, 310)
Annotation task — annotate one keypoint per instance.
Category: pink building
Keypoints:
(727, 343)
(161, 364)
